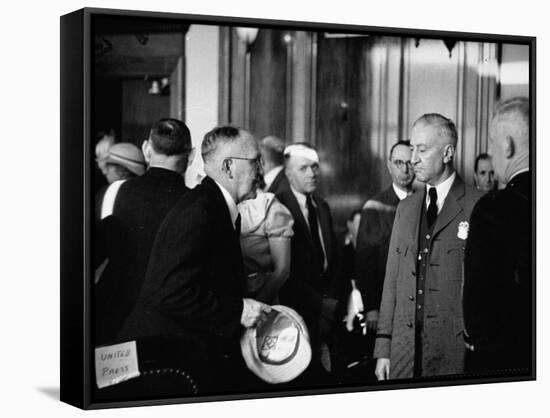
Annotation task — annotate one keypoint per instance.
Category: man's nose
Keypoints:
(414, 158)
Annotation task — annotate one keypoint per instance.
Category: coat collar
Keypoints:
(299, 221)
(450, 210)
(213, 190)
(164, 174)
(452, 206)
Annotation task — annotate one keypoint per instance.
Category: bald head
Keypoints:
(509, 138)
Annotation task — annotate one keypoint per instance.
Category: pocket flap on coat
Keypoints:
(458, 325)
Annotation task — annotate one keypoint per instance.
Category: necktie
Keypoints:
(238, 225)
(432, 207)
(314, 229)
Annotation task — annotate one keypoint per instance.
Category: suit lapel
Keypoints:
(390, 197)
(277, 183)
(289, 200)
(452, 207)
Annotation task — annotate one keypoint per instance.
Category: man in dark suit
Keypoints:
(373, 238)
(420, 325)
(128, 233)
(498, 281)
(194, 285)
(311, 287)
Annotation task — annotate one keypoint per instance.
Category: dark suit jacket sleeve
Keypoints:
(179, 263)
(481, 278)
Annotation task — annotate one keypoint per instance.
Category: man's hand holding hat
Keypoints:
(253, 311)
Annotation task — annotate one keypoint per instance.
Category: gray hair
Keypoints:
(516, 111)
(217, 136)
(446, 126)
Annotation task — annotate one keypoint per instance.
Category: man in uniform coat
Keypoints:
(194, 285)
(421, 325)
(128, 233)
(498, 281)
(373, 238)
(310, 288)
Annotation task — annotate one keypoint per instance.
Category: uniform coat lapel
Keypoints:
(452, 206)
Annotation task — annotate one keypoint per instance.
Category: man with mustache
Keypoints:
(420, 328)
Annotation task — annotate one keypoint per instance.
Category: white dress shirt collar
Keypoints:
(401, 194)
(442, 190)
(270, 176)
(231, 205)
(302, 202)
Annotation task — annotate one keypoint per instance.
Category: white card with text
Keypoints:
(116, 363)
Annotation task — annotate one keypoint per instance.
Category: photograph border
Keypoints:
(76, 354)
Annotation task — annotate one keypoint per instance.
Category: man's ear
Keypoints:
(509, 147)
(226, 167)
(448, 154)
(191, 157)
(388, 164)
(146, 149)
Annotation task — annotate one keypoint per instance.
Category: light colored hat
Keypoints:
(127, 155)
(102, 147)
(277, 349)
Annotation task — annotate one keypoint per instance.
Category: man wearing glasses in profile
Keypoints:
(373, 238)
(194, 287)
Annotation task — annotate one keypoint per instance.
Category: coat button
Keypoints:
(413, 273)
(409, 324)
(411, 297)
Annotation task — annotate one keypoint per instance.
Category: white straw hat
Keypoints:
(277, 349)
(127, 155)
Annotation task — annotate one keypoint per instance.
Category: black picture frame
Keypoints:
(77, 159)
